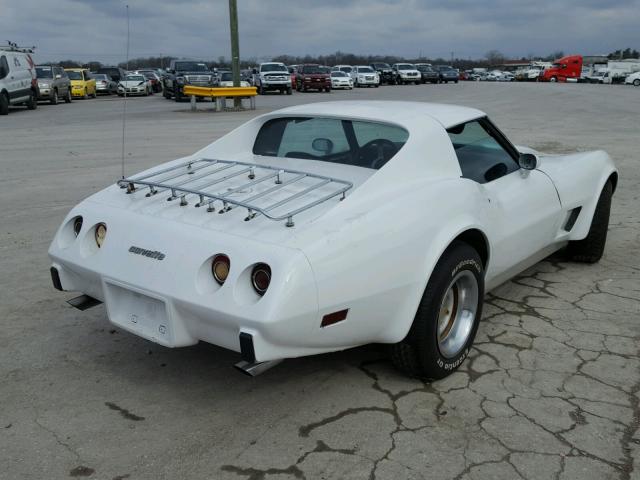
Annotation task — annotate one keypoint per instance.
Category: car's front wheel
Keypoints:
(636, 82)
(591, 248)
(447, 319)
(54, 97)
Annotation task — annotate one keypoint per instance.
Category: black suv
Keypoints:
(385, 73)
(186, 72)
(447, 74)
(428, 73)
(116, 73)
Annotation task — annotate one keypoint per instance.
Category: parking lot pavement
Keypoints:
(550, 391)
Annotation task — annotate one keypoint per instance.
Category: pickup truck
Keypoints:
(428, 73)
(272, 76)
(313, 77)
(186, 72)
(385, 73)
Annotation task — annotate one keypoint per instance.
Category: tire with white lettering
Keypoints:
(447, 319)
(591, 248)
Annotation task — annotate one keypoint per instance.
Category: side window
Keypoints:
(368, 131)
(300, 137)
(4, 67)
(481, 156)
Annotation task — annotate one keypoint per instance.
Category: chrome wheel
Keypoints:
(457, 314)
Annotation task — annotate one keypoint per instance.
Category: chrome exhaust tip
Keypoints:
(255, 368)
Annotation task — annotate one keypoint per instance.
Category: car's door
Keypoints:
(523, 211)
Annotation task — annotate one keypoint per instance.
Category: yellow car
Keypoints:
(82, 83)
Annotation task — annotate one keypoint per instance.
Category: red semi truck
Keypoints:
(565, 69)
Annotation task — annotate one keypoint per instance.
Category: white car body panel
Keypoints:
(372, 253)
(632, 78)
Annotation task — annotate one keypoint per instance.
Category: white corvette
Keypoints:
(321, 227)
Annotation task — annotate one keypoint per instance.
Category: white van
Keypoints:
(18, 84)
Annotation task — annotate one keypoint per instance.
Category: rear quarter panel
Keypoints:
(376, 259)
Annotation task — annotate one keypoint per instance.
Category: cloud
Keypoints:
(96, 29)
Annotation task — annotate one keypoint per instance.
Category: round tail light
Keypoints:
(77, 226)
(220, 268)
(101, 233)
(261, 278)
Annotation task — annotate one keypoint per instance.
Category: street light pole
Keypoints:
(235, 48)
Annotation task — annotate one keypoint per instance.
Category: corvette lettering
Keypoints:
(147, 253)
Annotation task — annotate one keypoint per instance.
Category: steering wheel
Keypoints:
(376, 152)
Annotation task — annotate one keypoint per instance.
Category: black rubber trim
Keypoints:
(83, 302)
(55, 277)
(246, 347)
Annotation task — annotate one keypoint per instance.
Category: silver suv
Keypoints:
(53, 84)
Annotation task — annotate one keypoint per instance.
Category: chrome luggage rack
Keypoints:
(201, 176)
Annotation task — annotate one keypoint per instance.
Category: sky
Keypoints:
(97, 29)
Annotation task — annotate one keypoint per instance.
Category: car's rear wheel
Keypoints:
(591, 248)
(4, 104)
(289, 91)
(447, 319)
(54, 98)
(636, 82)
(68, 97)
(85, 95)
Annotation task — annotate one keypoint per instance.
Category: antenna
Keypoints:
(124, 108)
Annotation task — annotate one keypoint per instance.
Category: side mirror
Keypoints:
(528, 161)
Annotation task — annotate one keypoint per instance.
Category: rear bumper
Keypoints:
(175, 301)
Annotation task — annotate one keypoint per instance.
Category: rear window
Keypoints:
(347, 142)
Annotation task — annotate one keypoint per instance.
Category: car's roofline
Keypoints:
(398, 112)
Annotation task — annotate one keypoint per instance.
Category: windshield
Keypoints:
(44, 72)
(313, 69)
(99, 76)
(191, 67)
(134, 78)
(381, 65)
(348, 142)
(424, 68)
(226, 77)
(74, 75)
(339, 74)
(365, 70)
(273, 67)
(406, 66)
(346, 69)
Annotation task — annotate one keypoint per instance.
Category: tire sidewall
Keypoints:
(458, 258)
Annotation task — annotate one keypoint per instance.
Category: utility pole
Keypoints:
(235, 49)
